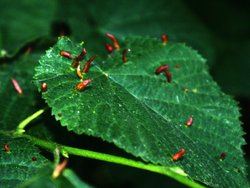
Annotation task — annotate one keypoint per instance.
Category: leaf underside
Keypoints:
(130, 106)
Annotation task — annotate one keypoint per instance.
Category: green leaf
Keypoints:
(15, 107)
(23, 21)
(43, 180)
(141, 112)
(18, 164)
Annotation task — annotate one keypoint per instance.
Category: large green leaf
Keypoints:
(129, 105)
(19, 164)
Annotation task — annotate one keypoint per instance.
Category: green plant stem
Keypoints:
(174, 173)
(25, 122)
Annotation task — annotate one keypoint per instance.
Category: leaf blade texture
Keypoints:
(21, 162)
(130, 106)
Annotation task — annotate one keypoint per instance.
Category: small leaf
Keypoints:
(141, 112)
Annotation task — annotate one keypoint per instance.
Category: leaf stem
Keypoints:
(25, 122)
(173, 172)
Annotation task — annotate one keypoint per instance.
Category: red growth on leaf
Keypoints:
(189, 122)
(59, 168)
(222, 156)
(66, 54)
(169, 76)
(109, 48)
(115, 42)
(17, 86)
(178, 155)
(124, 55)
(80, 86)
(6, 147)
(164, 39)
(164, 68)
(87, 64)
(28, 50)
(78, 58)
(59, 115)
(78, 71)
(161, 68)
(44, 87)
(82, 54)
(34, 158)
(177, 66)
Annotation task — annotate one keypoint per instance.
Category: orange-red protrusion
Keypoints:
(164, 68)
(6, 147)
(82, 54)
(164, 39)
(115, 42)
(124, 55)
(34, 158)
(81, 85)
(58, 170)
(222, 156)
(168, 74)
(78, 71)
(65, 54)
(17, 86)
(87, 64)
(189, 122)
(178, 155)
(44, 87)
(161, 68)
(109, 48)
(78, 58)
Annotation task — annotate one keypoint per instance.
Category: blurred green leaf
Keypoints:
(23, 21)
(20, 163)
(128, 17)
(43, 180)
(15, 107)
(26, 20)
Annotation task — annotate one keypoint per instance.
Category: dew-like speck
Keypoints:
(177, 99)
(90, 131)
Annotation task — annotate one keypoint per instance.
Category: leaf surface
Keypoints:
(15, 107)
(23, 21)
(18, 165)
(43, 179)
(130, 106)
